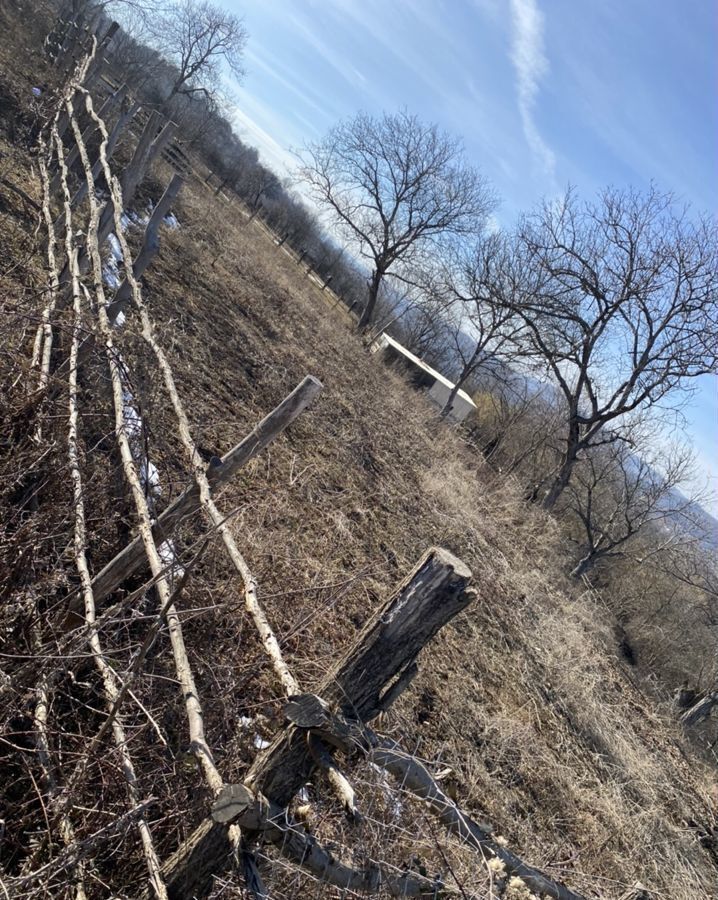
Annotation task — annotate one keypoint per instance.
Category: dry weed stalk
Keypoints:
(193, 706)
(107, 674)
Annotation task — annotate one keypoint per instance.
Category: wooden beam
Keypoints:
(432, 594)
(132, 558)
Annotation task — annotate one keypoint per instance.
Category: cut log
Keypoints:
(700, 711)
(435, 591)
(132, 558)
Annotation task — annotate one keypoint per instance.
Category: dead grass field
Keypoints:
(525, 696)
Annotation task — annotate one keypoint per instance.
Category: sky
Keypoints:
(544, 93)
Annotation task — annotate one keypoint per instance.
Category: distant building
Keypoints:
(424, 378)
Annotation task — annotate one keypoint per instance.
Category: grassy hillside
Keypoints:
(525, 696)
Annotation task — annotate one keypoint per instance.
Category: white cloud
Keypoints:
(530, 63)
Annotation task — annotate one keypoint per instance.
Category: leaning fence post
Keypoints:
(430, 596)
(132, 557)
(150, 246)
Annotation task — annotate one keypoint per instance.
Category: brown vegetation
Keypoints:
(525, 697)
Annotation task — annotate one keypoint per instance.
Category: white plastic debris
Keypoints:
(168, 556)
(150, 477)
(111, 274)
(244, 721)
(115, 248)
(260, 743)
(132, 419)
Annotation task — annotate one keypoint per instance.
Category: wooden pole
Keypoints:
(132, 557)
(150, 246)
(110, 103)
(431, 595)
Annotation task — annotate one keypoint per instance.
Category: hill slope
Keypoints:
(524, 696)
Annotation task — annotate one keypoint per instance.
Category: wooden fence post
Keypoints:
(430, 596)
(132, 557)
(150, 246)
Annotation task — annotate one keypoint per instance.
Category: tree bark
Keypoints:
(700, 711)
(367, 315)
(563, 476)
(432, 594)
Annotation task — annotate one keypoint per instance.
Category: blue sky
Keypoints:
(543, 92)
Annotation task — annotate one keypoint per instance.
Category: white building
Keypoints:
(437, 387)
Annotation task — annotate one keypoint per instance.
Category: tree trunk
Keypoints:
(367, 315)
(560, 482)
(465, 372)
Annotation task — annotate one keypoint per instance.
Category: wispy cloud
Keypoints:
(247, 116)
(530, 63)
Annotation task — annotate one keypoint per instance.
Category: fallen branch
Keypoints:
(189, 871)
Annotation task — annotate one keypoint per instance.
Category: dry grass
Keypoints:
(524, 695)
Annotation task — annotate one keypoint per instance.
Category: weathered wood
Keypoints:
(340, 784)
(189, 872)
(132, 558)
(700, 711)
(415, 777)
(313, 714)
(150, 246)
(395, 690)
(122, 121)
(149, 147)
(435, 591)
(110, 102)
(109, 678)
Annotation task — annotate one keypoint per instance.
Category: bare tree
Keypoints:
(621, 311)
(394, 185)
(198, 37)
(486, 328)
(621, 489)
